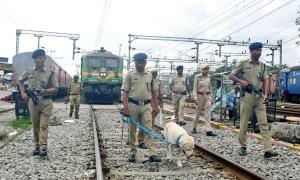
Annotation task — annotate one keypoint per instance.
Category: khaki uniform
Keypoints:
(178, 85)
(41, 112)
(74, 97)
(139, 87)
(254, 72)
(202, 91)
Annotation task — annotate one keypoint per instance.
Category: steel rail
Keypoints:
(99, 173)
(6, 110)
(229, 165)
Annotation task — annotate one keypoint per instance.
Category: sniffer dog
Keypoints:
(179, 138)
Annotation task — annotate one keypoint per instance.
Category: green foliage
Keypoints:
(22, 123)
(3, 135)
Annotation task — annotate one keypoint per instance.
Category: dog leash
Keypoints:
(137, 124)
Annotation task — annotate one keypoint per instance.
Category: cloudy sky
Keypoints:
(107, 23)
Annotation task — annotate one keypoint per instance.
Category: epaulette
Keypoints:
(48, 69)
(244, 60)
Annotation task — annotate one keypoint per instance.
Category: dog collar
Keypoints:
(178, 138)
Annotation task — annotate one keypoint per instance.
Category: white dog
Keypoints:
(180, 138)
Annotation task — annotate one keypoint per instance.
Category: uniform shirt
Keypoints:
(75, 88)
(139, 85)
(178, 83)
(39, 80)
(201, 84)
(252, 71)
(159, 86)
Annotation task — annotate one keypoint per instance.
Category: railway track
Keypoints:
(7, 110)
(281, 108)
(205, 164)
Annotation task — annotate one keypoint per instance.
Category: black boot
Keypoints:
(36, 151)
(131, 158)
(194, 131)
(154, 158)
(269, 154)
(43, 153)
(243, 151)
(70, 115)
(143, 146)
(210, 133)
(76, 116)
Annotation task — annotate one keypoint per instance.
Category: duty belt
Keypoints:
(182, 93)
(46, 97)
(74, 94)
(203, 93)
(141, 103)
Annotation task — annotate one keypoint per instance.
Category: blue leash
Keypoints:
(159, 138)
(137, 124)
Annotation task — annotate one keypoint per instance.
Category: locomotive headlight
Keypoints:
(103, 74)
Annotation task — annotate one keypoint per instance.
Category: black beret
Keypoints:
(37, 53)
(179, 67)
(255, 45)
(140, 57)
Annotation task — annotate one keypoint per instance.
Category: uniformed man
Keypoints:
(74, 96)
(43, 81)
(141, 134)
(179, 89)
(138, 90)
(256, 73)
(159, 100)
(202, 93)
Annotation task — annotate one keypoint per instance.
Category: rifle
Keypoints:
(251, 89)
(30, 93)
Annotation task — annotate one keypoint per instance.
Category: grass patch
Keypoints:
(3, 135)
(22, 123)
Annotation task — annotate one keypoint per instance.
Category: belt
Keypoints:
(47, 97)
(182, 93)
(74, 94)
(141, 103)
(203, 93)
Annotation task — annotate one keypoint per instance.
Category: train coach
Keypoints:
(23, 61)
(289, 80)
(101, 77)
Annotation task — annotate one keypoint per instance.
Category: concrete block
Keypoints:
(286, 132)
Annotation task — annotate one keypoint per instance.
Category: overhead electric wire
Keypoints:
(223, 19)
(266, 15)
(290, 40)
(256, 20)
(102, 22)
(216, 16)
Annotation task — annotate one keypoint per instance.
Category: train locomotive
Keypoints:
(101, 77)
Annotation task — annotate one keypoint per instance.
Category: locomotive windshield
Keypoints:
(94, 62)
(112, 63)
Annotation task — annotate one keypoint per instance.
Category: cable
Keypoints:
(224, 19)
(290, 40)
(256, 20)
(105, 12)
